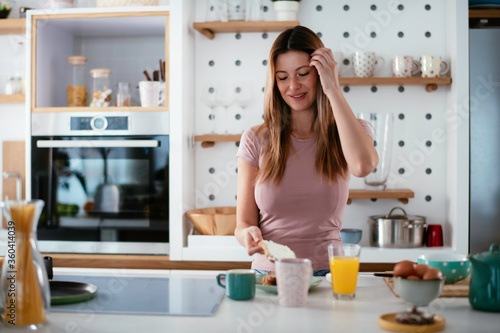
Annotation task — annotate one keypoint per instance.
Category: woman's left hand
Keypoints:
(324, 62)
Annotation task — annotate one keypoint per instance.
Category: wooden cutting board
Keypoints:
(459, 289)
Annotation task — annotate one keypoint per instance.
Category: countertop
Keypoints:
(263, 314)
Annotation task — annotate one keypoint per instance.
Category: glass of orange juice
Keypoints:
(344, 267)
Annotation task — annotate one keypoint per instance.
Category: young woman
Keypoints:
(293, 170)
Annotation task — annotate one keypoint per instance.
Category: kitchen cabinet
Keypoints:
(124, 42)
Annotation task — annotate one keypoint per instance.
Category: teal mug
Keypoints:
(239, 283)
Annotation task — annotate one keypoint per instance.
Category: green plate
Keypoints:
(66, 292)
(315, 281)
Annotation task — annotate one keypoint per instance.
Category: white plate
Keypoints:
(329, 277)
(315, 281)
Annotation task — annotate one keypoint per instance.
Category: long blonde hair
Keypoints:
(330, 161)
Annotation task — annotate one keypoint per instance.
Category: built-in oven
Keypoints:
(104, 180)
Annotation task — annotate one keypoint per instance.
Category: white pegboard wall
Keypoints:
(400, 27)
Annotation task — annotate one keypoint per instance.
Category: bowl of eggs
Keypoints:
(417, 284)
(455, 267)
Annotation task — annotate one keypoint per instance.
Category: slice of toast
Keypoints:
(275, 251)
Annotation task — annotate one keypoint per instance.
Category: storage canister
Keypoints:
(397, 231)
(76, 90)
(101, 87)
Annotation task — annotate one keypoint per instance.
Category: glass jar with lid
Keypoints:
(76, 90)
(101, 87)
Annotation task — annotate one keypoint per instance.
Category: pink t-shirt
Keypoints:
(303, 212)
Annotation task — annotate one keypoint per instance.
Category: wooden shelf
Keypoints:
(209, 140)
(108, 109)
(484, 13)
(12, 26)
(209, 29)
(431, 84)
(401, 195)
(17, 98)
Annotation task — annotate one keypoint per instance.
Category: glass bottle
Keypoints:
(76, 90)
(10, 86)
(123, 96)
(24, 287)
(14, 85)
(101, 87)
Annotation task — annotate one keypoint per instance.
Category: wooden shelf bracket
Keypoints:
(207, 33)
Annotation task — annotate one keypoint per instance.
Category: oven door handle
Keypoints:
(97, 143)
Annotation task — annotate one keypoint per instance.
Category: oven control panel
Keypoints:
(99, 123)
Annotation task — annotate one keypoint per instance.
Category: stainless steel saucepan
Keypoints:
(397, 231)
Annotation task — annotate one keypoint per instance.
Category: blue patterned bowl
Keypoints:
(455, 267)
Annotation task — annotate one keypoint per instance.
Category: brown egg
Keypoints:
(420, 269)
(432, 274)
(413, 277)
(404, 268)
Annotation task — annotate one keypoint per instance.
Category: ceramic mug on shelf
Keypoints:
(152, 93)
(404, 66)
(366, 63)
(432, 66)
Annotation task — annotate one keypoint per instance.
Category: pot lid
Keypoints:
(416, 219)
(491, 257)
(100, 72)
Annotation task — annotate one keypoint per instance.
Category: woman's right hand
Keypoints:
(251, 237)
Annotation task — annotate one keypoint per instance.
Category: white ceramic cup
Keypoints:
(293, 277)
(432, 66)
(366, 63)
(404, 66)
(339, 59)
(152, 93)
